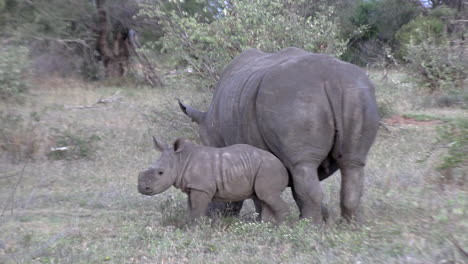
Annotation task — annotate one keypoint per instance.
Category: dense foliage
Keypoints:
(268, 25)
(434, 51)
(13, 61)
(383, 18)
(68, 37)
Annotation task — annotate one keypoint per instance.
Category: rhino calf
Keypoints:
(233, 173)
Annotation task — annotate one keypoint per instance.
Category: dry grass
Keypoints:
(89, 211)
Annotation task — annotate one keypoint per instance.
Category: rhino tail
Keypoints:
(335, 99)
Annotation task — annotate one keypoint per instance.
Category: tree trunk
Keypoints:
(111, 47)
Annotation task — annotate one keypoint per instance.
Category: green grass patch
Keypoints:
(455, 134)
(88, 210)
(421, 117)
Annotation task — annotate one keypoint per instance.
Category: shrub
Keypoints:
(433, 25)
(433, 52)
(269, 25)
(20, 137)
(71, 145)
(441, 66)
(12, 65)
(382, 18)
(420, 29)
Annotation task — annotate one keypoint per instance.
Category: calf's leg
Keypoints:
(198, 204)
(277, 206)
(267, 213)
(258, 208)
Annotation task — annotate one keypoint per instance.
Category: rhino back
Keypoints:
(232, 113)
(236, 170)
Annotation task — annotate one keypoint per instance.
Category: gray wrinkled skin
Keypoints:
(317, 114)
(226, 174)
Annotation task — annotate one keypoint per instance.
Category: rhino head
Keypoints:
(199, 117)
(163, 172)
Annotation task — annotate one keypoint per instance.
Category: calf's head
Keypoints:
(163, 172)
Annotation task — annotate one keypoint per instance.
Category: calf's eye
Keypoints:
(160, 172)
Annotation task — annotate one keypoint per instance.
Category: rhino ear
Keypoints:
(196, 115)
(160, 146)
(179, 145)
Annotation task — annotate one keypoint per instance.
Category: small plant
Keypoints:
(12, 65)
(19, 136)
(456, 134)
(174, 211)
(421, 117)
(71, 145)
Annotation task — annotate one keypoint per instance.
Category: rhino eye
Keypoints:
(160, 172)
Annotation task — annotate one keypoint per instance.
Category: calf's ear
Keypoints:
(196, 115)
(160, 146)
(179, 145)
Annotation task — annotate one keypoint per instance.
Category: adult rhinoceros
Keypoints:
(317, 114)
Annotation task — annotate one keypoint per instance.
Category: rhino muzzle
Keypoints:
(143, 185)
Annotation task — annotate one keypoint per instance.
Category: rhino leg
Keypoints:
(325, 213)
(352, 181)
(258, 208)
(274, 206)
(233, 209)
(297, 200)
(308, 191)
(267, 213)
(198, 204)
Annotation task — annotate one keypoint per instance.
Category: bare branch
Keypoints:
(148, 70)
(9, 175)
(53, 240)
(115, 98)
(459, 248)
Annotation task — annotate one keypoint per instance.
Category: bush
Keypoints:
(268, 25)
(72, 145)
(20, 137)
(441, 67)
(12, 65)
(433, 25)
(420, 29)
(434, 53)
(382, 18)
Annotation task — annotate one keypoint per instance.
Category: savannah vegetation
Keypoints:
(85, 84)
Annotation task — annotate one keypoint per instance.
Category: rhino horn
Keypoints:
(160, 146)
(196, 115)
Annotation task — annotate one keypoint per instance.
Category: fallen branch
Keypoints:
(116, 97)
(459, 247)
(60, 148)
(386, 125)
(41, 250)
(9, 175)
